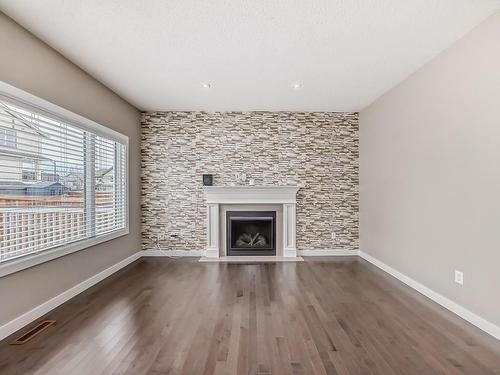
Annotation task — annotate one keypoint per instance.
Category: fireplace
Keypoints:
(276, 203)
(251, 232)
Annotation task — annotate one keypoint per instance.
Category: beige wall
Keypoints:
(430, 173)
(31, 65)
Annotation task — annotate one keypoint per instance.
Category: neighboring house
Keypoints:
(46, 188)
(20, 147)
(73, 181)
(104, 179)
(28, 154)
(36, 189)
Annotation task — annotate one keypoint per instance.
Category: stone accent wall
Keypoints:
(318, 151)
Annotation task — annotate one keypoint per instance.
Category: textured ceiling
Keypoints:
(157, 54)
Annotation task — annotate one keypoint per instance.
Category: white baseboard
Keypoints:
(461, 311)
(327, 253)
(16, 324)
(201, 253)
(172, 253)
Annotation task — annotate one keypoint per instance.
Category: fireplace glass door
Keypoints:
(251, 232)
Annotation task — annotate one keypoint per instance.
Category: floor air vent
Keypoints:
(33, 332)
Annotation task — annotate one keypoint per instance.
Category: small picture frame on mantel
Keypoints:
(208, 180)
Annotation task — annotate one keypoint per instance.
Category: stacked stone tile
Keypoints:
(318, 151)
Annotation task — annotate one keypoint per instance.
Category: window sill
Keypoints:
(29, 261)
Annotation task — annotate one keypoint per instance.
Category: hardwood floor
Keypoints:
(321, 316)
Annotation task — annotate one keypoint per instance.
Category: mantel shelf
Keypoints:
(251, 194)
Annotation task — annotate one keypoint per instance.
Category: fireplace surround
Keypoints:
(223, 199)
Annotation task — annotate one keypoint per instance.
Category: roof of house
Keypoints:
(103, 171)
(12, 185)
(44, 184)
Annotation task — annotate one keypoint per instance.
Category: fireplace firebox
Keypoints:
(251, 232)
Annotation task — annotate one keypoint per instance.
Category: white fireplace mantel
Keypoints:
(285, 195)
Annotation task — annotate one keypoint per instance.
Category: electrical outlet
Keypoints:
(459, 277)
(334, 236)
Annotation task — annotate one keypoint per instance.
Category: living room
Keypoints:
(249, 187)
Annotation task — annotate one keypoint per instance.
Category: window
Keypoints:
(7, 137)
(28, 172)
(63, 186)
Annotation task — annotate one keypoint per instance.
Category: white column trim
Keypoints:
(289, 230)
(212, 230)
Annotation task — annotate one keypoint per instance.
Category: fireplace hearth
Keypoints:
(251, 232)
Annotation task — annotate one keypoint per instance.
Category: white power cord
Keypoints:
(165, 251)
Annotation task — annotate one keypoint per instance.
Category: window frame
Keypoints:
(22, 97)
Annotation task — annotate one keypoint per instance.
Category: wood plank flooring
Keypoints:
(321, 316)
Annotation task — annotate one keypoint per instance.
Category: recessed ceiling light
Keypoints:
(206, 85)
(297, 85)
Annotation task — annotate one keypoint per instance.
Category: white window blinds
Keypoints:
(60, 182)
